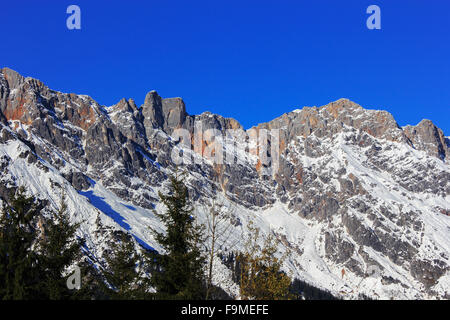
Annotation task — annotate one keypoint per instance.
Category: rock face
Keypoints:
(353, 191)
(152, 111)
(426, 136)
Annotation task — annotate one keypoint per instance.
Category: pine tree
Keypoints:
(59, 249)
(122, 273)
(19, 274)
(261, 277)
(179, 273)
(35, 252)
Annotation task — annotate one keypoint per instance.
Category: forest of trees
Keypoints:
(40, 254)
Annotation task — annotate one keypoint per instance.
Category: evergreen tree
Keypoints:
(179, 273)
(122, 273)
(59, 249)
(35, 252)
(19, 274)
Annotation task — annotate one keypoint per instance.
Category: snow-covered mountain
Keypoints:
(361, 204)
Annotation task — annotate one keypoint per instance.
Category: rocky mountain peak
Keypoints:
(210, 120)
(333, 118)
(125, 105)
(13, 78)
(168, 114)
(174, 113)
(152, 111)
(152, 99)
(426, 136)
(132, 104)
(341, 104)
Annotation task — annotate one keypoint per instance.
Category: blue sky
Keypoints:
(250, 60)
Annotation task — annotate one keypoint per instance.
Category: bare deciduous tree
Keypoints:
(219, 230)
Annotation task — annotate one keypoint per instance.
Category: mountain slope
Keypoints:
(361, 204)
